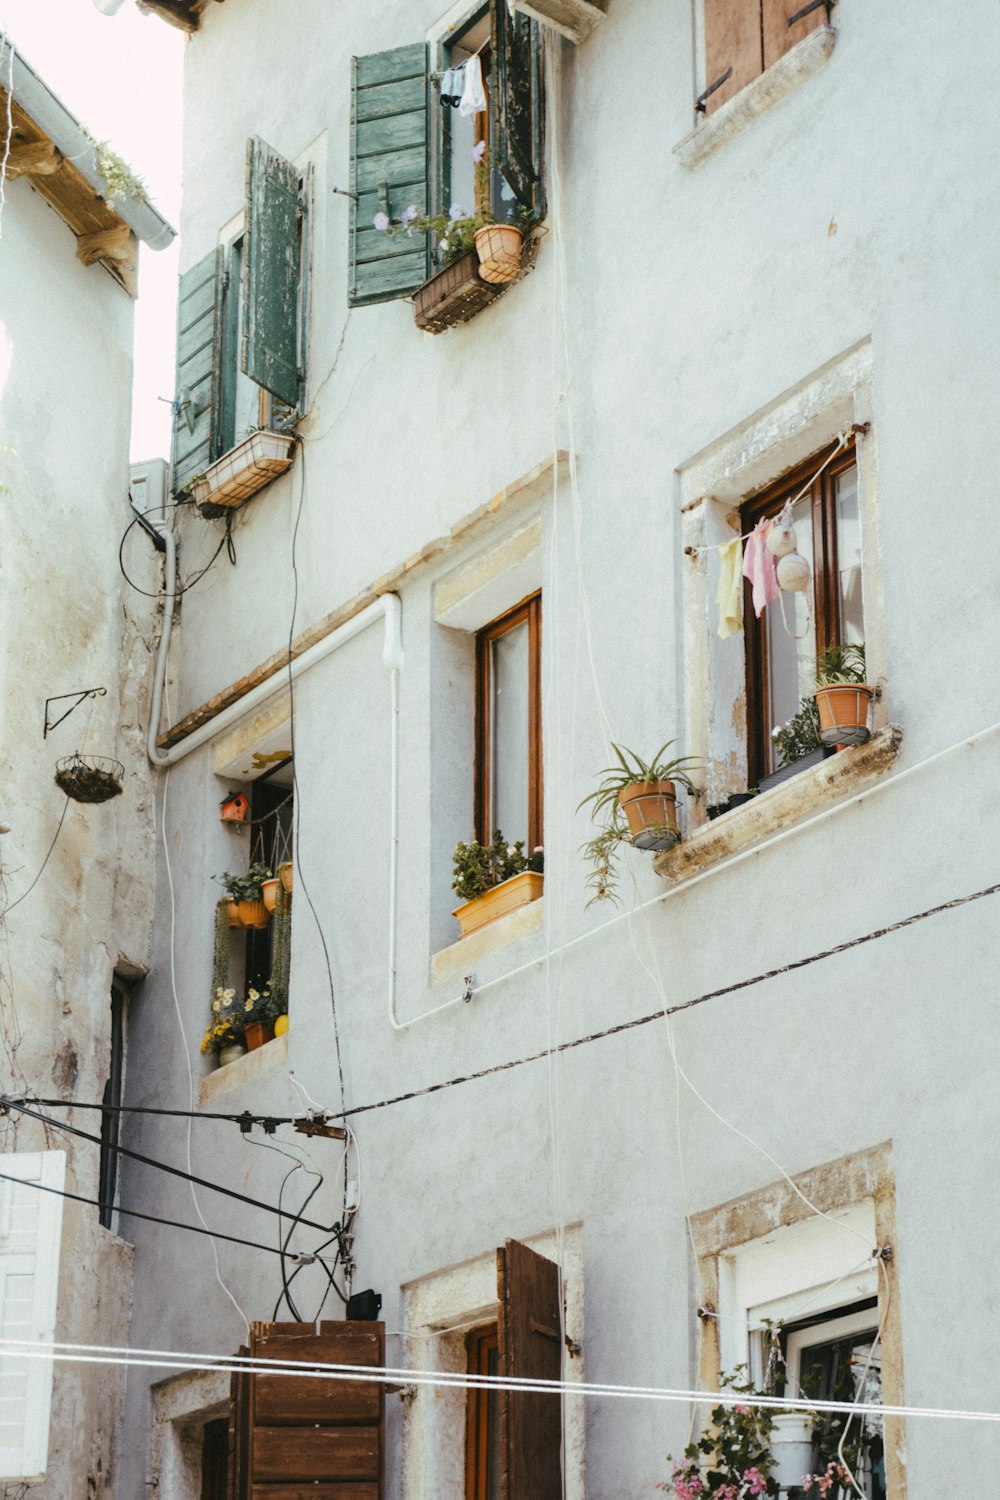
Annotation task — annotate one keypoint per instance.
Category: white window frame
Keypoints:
(27, 1460)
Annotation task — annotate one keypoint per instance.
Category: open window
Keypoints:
(784, 645)
(241, 343)
(411, 148)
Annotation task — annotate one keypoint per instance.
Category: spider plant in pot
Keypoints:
(842, 695)
(636, 801)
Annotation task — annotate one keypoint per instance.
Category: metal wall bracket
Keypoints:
(61, 698)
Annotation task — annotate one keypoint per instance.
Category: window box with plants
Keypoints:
(636, 803)
(494, 879)
(245, 469)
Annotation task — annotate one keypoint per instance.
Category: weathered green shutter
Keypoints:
(388, 172)
(271, 263)
(197, 389)
(517, 105)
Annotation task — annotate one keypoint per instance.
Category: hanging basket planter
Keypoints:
(90, 778)
(650, 809)
(269, 891)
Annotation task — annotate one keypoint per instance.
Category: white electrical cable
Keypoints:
(443, 1379)
(5, 41)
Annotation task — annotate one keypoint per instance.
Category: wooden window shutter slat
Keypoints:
(779, 37)
(237, 1478)
(198, 368)
(389, 168)
(517, 105)
(732, 40)
(271, 264)
(311, 1438)
(530, 1299)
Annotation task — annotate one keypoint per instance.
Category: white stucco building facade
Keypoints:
(753, 1091)
(77, 880)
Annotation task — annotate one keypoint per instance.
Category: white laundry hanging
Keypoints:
(473, 100)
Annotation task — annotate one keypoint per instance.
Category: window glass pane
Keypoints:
(852, 620)
(509, 677)
(493, 1431)
(847, 1369)
(790, 637)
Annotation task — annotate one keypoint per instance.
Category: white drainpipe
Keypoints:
(388, 608)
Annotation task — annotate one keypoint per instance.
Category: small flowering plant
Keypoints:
(832, 1477)
(260, 1005)
(227, 1025)
(732, 1458)
(479, 867)
(455, 232)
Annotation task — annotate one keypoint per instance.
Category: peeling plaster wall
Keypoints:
(698, 303)
(69, 623)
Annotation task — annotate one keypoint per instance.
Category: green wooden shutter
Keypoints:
(388, 172)
(517, 124)
(197, 391)
(271, 262)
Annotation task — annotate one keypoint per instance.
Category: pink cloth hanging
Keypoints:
(759, 567)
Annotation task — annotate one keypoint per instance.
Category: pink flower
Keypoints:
(381, 221)
(478, 151)
(455, 212)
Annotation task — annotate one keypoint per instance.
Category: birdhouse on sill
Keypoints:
(234, 808)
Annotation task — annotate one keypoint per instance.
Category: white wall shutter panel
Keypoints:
(30, 1231)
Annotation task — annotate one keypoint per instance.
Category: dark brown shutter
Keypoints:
(311, 1438)
(239, 1433)
(733, 45)
(530, 1297)
(779, 37)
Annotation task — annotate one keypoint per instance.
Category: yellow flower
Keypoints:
(248, 1005)
(253, 994)
(216, 1004)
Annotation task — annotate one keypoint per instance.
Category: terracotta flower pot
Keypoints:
(843, 713)
(650, 809)
(285, 875)
(519, 890)
(257, 1033)
(234, 914)
(269, 891)
(499, 249)
(253, 914)
(280, 1025)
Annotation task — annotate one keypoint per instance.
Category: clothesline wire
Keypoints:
(843, 438)
(389, 1375)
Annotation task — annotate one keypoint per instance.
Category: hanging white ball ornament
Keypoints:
(781, 541)
(793, 573)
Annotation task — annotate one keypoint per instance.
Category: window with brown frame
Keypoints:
(782, 646)
(215, 1460)
(509, 725)
(743, 37)
(482, 1418)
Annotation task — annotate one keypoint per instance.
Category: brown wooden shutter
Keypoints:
(732, 42)
(529, 1295)
(779, 37)
(310, 1438)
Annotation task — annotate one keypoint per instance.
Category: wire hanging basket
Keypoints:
(90, 778)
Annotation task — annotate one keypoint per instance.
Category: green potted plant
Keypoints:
(843, 696)
(732, 1457)
(246, 897)
(636, 801)
(493, 879)
(224, 1036)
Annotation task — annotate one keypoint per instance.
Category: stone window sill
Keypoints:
(245, 469)
(461, 958)
(812, 791)
(246, 1071)
(776, 83)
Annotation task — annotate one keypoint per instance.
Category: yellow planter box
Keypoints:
(519, 890)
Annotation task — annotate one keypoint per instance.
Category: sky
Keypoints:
(121, 76)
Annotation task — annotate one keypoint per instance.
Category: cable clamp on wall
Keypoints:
(469, 981)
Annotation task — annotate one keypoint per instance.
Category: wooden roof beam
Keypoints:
(33, 159)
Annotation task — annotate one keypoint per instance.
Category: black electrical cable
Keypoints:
(141, 1109)
(161, 1166)
(31, 887)
(295, 776)
(225, 540)
(284, 1243)
(132, 1213)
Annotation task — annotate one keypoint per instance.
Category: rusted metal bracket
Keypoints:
(807, 10)
(60, 698)
(317, 1122)
(706, 94)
